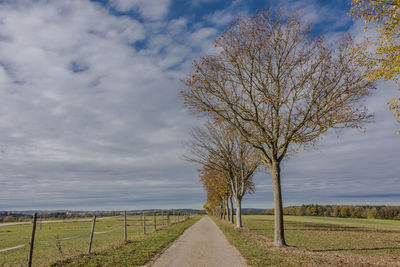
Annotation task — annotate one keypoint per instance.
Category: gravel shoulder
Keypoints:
(203, 244)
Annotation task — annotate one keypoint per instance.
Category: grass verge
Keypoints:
(136, 252)
(255, 243)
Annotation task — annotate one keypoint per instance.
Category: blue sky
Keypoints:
(90, 116)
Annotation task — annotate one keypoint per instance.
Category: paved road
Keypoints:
(203, 244)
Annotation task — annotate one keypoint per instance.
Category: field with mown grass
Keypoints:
(109, 231)
(318, 241)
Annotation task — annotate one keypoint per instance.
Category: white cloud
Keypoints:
(222, 17)
(317, 13)
(203, 34)
(80, 103)
(148, 9)
(89, 113)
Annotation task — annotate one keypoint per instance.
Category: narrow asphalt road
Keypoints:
(203, 244)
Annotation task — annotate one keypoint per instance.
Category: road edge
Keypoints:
(158, 255)
(246, 260)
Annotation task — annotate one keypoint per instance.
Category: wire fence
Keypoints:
(42, 242)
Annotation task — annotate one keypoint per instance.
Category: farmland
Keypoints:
(318, 241)
(47, 250)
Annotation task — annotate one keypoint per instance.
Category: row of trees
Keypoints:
(274, 88)
(228, 167)
(370, 212)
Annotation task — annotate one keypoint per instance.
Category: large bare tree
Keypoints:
(222, 148)
(280, 88)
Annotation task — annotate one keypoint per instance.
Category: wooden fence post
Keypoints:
(155, 221)
(91, 234)
(32, 240)
(168, 221)
(125, 232)
(144, 223)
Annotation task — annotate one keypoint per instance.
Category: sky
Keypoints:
(91, 119)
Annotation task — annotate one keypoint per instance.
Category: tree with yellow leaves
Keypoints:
(217, 188)
(383, 16)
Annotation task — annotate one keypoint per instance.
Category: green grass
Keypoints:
(136, 252)
(318, 241)
(47, 252)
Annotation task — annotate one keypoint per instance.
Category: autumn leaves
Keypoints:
(382, 53)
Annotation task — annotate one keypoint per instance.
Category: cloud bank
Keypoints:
(90, 116)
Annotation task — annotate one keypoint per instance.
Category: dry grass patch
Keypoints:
(317, 242)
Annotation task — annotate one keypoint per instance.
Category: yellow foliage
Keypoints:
(384, 15)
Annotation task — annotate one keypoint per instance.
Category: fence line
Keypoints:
(7, 249)
(87, 234)
(109, 231)
(60, 239)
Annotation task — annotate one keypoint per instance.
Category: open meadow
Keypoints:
(69, 238)
(314, 241)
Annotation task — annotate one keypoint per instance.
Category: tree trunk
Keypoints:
(228, 211)
(238, 202)
(223, 210)
(230, 200)
(279, 237)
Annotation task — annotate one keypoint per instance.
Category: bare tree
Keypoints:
(222, 148)
(280, 88)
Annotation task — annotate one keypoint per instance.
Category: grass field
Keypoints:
(137, 252)
(47, 250)
(318, 241)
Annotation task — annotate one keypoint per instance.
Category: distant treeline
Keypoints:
(370, 212)
(15, 216)
(6, 216)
